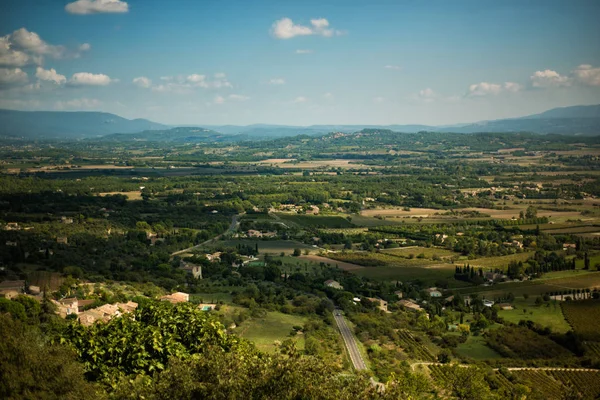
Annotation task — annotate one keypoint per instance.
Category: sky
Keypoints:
(300, 62)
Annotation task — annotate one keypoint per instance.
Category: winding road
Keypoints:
(350, 342)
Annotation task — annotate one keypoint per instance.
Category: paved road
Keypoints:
(350, 342)
(232, 227)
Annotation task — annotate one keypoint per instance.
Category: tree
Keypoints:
(30, 368)
(297, 252)
(466, 383)
(531, 212)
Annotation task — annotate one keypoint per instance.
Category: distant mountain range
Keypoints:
(576, 120)
(179, 134)
(68, 125)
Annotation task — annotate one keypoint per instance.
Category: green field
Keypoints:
(317, 221)
(427, 252)
(275, 326)
(361, 220)
(264, 246)
(551, 316)
(387, 266)
(476, 349)
(496, 262)
(594, 260)
(584, 317)
(551, 282)
(385, 273)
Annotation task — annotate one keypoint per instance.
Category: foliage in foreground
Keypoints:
(165, 352)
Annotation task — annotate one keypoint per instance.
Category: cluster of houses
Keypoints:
(413, 305)
(309, 210)
(104, 313)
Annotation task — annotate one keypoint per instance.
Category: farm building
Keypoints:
(194, 269)
(410, 305)
(177, 297)
(488, 303)
(66, 306)
(382, 304)
(333, 284)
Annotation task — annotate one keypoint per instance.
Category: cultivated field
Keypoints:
(584, 317)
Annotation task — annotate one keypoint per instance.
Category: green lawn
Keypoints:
(476, 349)
(551, 316)
(275, 326)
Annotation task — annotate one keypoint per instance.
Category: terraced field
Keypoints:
(413, 348)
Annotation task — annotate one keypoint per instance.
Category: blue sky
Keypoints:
(300, 62)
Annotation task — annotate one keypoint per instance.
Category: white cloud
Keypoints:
(587, 75)
(238, 97)
(97, 6)
(304, 51)
(50, 75)
(328, 96)
(196, 79)
(12, 77)
(220, 81)
(277, 81)
(186, 84)
(512, 87)
(549, 78)
(486, 88)
(219, 100)
(427, 93)
(300, 99)
(378, 99)
(23, 47)
(394, 67)
(77, 104)
(31, 42)
(10, 57)
(285, 28)
(89, 79)
(142, 82)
